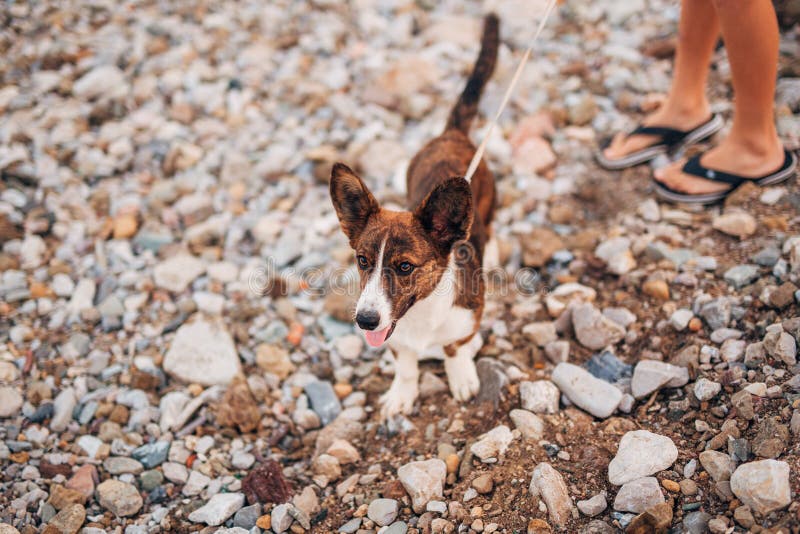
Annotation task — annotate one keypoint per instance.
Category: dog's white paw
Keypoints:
(398, 400)
(463, 378)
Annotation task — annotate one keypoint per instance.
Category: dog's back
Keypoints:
(450, 154)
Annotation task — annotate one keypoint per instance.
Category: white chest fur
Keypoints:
(434, 321)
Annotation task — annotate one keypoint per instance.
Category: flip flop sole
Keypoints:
(647, 154)
(712, 198)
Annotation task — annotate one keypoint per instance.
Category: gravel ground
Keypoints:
(176, 345)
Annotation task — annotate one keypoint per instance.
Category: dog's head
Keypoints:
(401, 255)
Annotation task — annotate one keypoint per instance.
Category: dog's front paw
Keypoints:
(398, 400)
(463, 378)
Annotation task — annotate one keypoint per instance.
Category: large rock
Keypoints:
(219, 508)
(651, 375)
(548, 483)
(763, 485)
(176, 273)
(638, 495)
(593, 329)
(641, 454)
(119, 498)
(424, 481)
(596, 396)
(202, 352)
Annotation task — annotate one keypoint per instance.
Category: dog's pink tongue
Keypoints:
(375, 338)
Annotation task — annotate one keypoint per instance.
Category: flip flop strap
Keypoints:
(694, 168)
(669, 136)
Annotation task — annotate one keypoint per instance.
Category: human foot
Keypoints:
(729, 157)
(684, 119)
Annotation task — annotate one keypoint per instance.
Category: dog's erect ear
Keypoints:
(352, 201)
(446, 213)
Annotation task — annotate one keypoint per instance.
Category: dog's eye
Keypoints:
(405, 268)
(363, 263)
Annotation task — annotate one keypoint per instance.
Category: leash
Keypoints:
(476, 159)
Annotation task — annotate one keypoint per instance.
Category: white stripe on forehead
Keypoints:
(373, 298)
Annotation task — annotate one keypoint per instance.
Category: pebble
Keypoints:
(596, 396)
(176, 273)
(10, 401)
(383, 511)
(493, 444)
(719, 465)
(529, 424)
(638, 495)
(202, 352)
(738, 224)
(324, 400)
(641, 454)
(652, 375)
(593, 506)
(541, 396)
(706, 390)
(593, 329)
(762, 485)
(548, 484)
(424, 481)
(119, 498)
(741, 275)
(218, 509)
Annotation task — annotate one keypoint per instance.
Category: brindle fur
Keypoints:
(446, 214)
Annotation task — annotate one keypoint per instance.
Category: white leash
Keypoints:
(476, 159)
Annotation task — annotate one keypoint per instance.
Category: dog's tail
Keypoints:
(467, 106)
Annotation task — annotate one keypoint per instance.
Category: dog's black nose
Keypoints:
(368, 320)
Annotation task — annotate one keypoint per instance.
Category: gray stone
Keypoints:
(176, 273)
(594, 330)
(548, 484)
(696, 523)
(424, 481)
(763, 485)
(202, 352)
(540, 396)
(529, 424)
(641, 454)
(705, 389)
(741, 275)
(719, 465)
(218, 509)
(638, 495)
(651, 375)
(383, 511)
(152, 454)
(596, 396)
(119, 498)
(281, 518)
(323, 400)
(593, 506)
(63, 406)
(117, 465)
(493, 444)
(10, 401)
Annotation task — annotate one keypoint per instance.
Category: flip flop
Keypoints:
(787, 170)
(670, 140)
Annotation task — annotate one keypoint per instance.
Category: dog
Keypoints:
(420, 270)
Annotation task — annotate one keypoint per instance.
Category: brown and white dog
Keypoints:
(421, 270)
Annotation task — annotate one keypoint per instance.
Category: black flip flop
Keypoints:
(670, 140)
(787, 170)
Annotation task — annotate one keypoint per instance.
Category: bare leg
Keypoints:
(753, 149)
(686, 106)
(405, 387)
